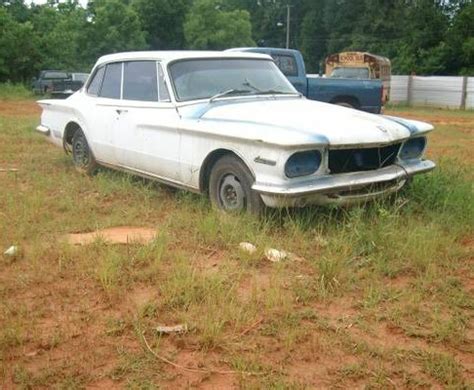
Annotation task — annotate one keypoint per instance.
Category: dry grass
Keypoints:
(382, 296)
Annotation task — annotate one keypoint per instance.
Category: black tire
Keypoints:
(230, 187)
(82, 156)
(344, 104)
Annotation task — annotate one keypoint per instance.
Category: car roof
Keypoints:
(175, 55)
(266, 50)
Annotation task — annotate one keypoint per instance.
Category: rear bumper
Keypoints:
(43, 130)
(343, 188)
(52, 136)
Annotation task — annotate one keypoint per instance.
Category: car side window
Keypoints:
(140, 81)
(162, 88)
(96, 82)
(286, 63)
(112, 81)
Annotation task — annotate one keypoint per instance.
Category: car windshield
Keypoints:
(350, 73)
(208, 78)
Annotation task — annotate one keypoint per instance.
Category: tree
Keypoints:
(114, 26)
(18, 49)
(163, 22)
(209, 26)
(59, 29)
(461, 40)
(313, 38)
(17, 9)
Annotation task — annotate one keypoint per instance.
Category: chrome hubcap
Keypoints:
(81, 153)
(231, 193)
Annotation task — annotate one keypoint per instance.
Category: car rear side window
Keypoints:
(96, 82)
(286, 63)
(140, 81)
(112, 81)
(55, 75)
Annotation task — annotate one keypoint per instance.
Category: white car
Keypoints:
(230, 124)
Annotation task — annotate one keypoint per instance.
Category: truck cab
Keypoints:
(365, 95)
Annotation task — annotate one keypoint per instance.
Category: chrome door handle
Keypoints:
(120, 111)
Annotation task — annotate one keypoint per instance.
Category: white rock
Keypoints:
(275, 255)
(12, 251)
(248, 247)
(181, 328)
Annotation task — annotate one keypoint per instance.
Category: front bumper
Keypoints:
(343, 188)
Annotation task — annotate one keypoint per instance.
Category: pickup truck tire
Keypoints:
(82, 156)
(230, 187)
(344, 104)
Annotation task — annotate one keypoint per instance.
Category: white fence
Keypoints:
(438, 91)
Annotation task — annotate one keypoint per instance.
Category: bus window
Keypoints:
(350, 73)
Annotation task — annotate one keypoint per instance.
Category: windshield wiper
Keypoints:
(247, 83)
(232, 91)
(275, 92)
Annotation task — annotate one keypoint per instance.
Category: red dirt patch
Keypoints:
(114, 235)
(19, 108)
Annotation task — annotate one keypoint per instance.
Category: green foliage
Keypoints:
(207, 26)
(60, 37)
(313, 45)
(114, 27)
(9, 91)
(423, 37)
(163, 22)
(64, 36)
(461, 40)
(18, 48)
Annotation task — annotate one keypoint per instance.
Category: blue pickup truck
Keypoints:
(365, 95)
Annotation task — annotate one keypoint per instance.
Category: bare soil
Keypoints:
(11, 108)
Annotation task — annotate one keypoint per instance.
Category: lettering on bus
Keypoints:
(351, 57)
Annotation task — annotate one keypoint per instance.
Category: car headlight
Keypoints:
(303, 163)
(413, 148)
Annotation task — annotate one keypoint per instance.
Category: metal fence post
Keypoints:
(410, 90)
(463, 93)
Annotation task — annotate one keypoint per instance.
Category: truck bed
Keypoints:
(361, 94)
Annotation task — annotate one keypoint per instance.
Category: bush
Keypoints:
(10, 91)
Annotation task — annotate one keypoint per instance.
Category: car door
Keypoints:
(103, 96)
(146, 137)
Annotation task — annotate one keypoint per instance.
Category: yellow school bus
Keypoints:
(360, 65)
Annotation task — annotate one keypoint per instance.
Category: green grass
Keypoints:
(10, 91)
(378, 295)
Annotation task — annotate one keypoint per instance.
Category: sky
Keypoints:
(81, 2)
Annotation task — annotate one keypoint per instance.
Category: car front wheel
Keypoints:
(82, 156)
(230, 187)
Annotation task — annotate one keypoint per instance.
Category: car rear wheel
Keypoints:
(230, 187)
(82, 156)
